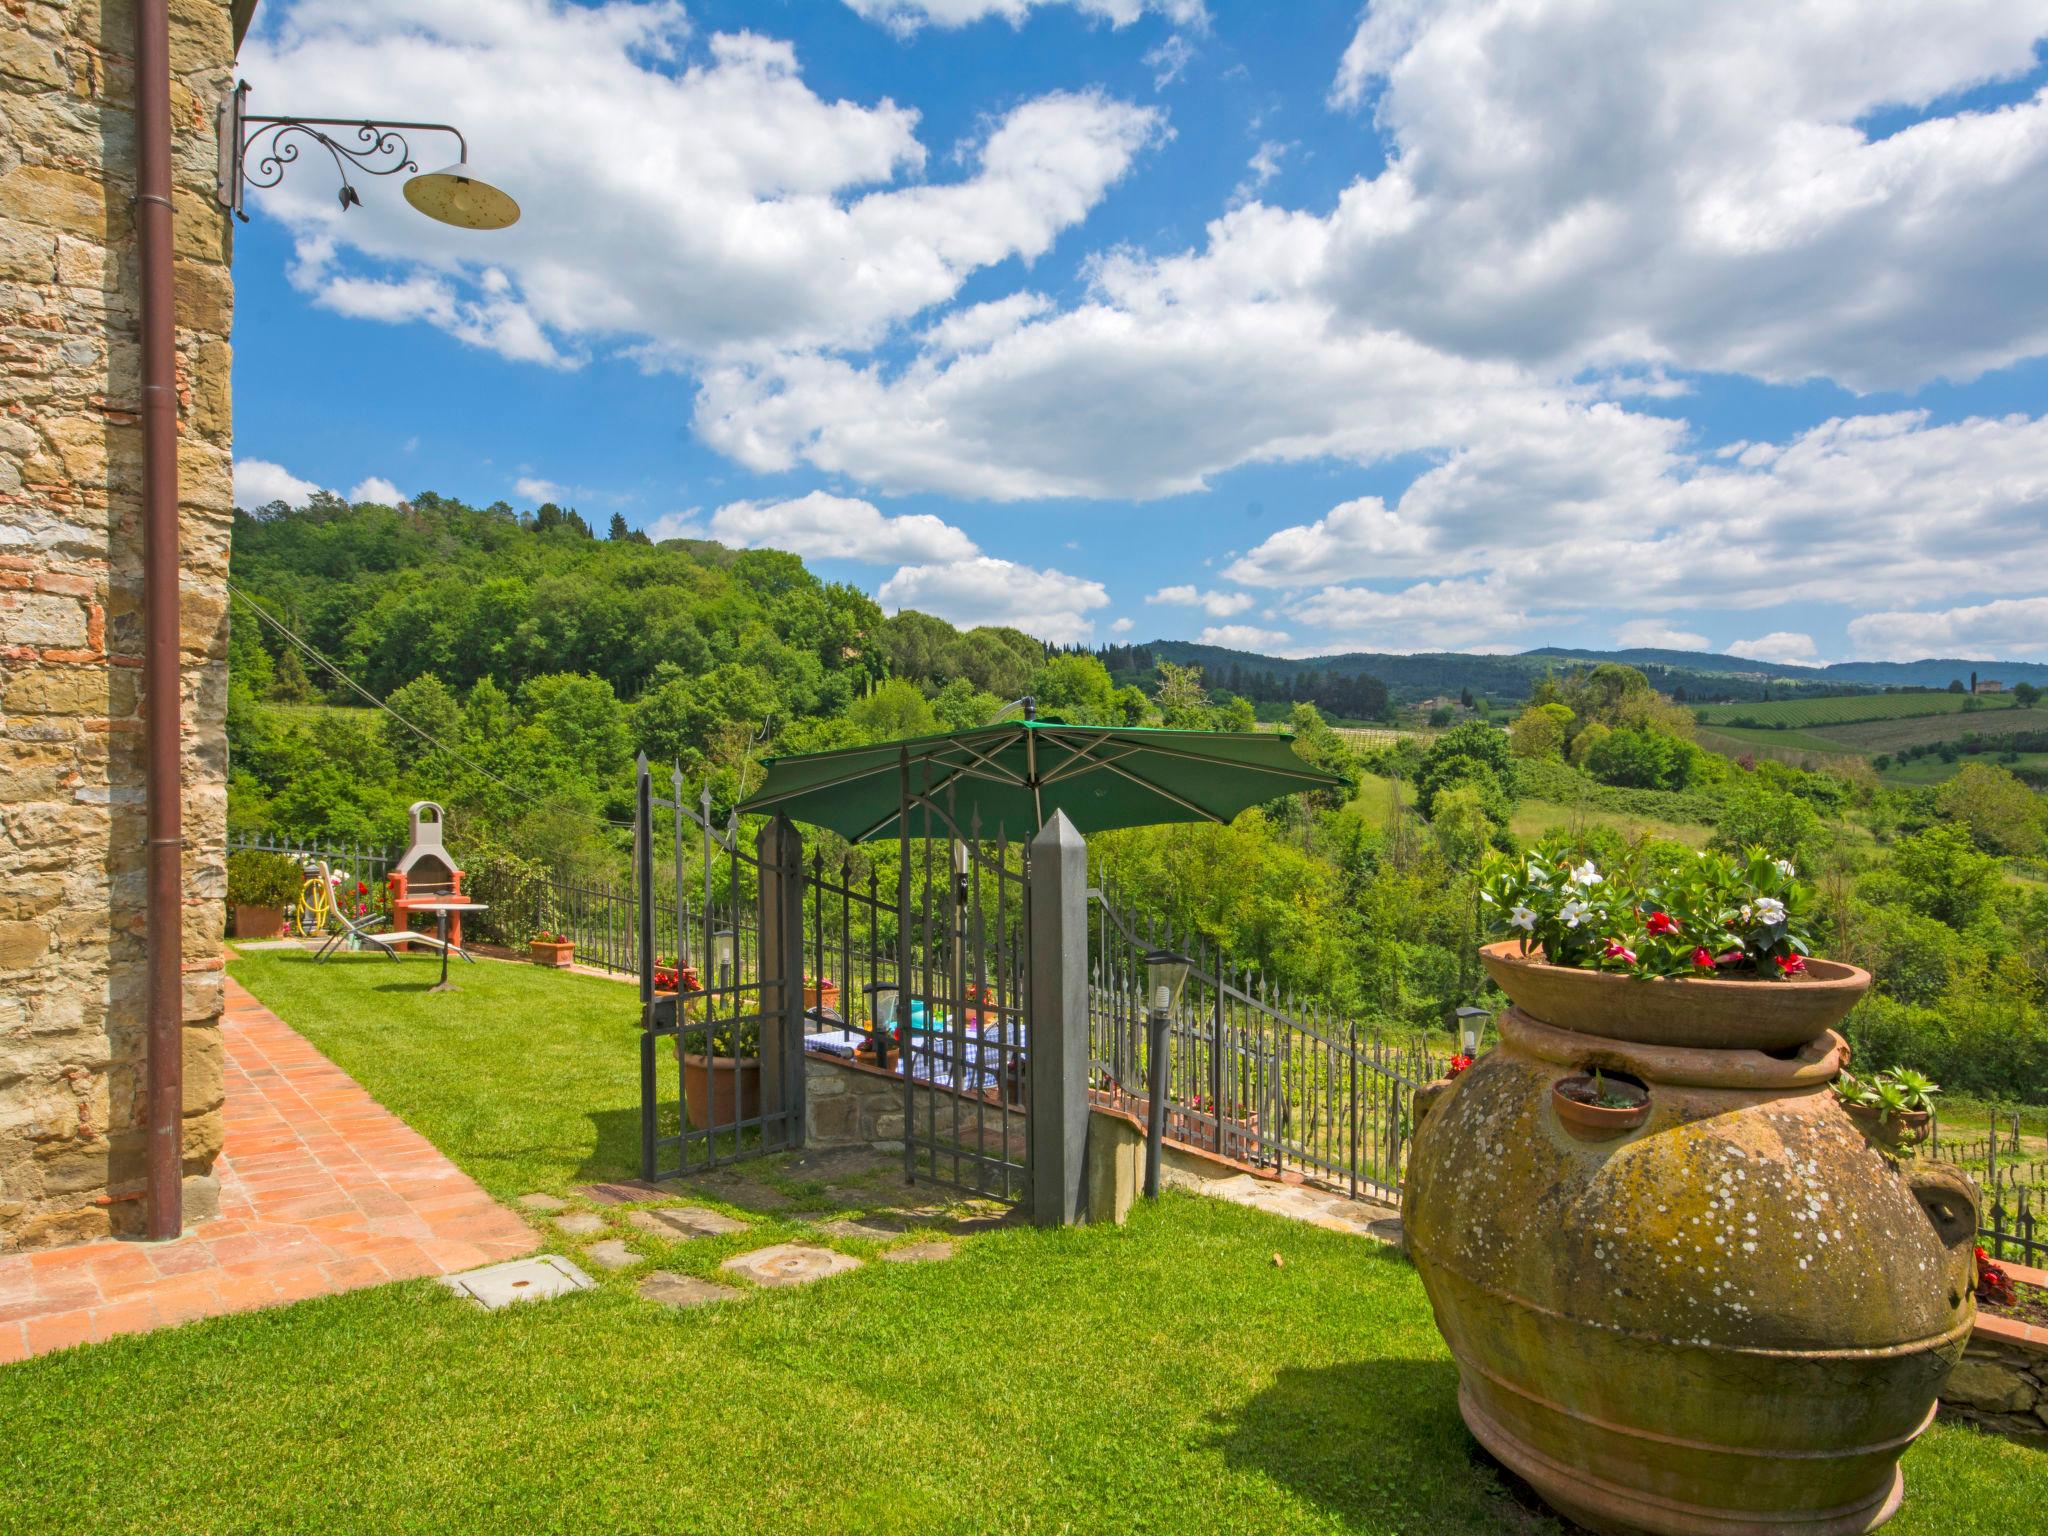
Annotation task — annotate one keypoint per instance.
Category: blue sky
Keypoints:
(1432, 324)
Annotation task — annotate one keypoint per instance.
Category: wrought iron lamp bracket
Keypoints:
(257, 151)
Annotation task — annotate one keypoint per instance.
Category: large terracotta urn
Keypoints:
(1731, 1318)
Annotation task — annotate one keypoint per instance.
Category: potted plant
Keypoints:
(261, 888)
(721, 1071)
(1688, 949)
(1894, 1108)
(1596, 1106)
(550, 947)
(821, 994)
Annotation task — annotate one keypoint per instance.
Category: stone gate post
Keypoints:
(1057, 1070)
(781, 854)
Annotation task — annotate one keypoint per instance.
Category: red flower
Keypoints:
(1616, 950)
(1661, 922)
(1702, 959)
(362, 887)
(1728, 957)
(1459, 1063)
(1791, 965)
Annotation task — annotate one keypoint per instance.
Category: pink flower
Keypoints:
(1661, 922)
(1616, 950)
(1791, 965)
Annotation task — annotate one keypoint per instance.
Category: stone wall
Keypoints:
(2001, 1383)
(72, 1031)
(846, 1103)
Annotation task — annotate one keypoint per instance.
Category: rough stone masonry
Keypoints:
(71, 761)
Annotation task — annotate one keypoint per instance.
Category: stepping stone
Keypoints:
(788, 1264)
(672, 1290)
(580, 1224)
(628, 1193)
(543, 1203)
(612, 1254)
(874, 1228)
(502, 1285)
(685, 1221)
(919, 1253)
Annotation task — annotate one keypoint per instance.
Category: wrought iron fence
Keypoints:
(358, 861)
(2009, 1229)
(1253, 1076)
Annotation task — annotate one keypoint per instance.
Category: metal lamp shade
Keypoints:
(455, 196)
(1166, 973)
(882, 1003)
(1471, 1021)
(722, 952)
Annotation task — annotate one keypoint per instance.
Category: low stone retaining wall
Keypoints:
(2001, 1383)
(848, 1103)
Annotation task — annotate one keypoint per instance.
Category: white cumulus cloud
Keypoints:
(1218, 605)
(1655, 634)
(821, 526)
(984, 590)
(1243, 637)
(1784, 646)
(2009, 627)
(907, 16)
(259, 482)
(376, 488)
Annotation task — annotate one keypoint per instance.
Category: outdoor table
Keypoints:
(441, 909)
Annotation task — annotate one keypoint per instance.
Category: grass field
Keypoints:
(1167, 1376)
(1532, 818)
(1932, 770)
(1844, 710)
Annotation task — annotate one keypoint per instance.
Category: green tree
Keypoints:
(2003, 815)
(1758, 816)
(1471, 754)
(1635, 757)
(1941, 874)
(2025, 695)
(896, 709)
(1183, 701)
(1077, 689)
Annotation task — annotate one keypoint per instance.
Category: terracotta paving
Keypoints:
(322, 1190)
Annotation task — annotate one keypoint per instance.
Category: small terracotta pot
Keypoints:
(821, 995)
(1906, 1128)
(259, 922)
(1719, 1013)
(543, 952)
(866, 1057)
(1595, 1122)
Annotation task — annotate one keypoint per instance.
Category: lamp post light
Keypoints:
(722, 957)
(881, 1015)
(256, 152)
(1166, 973)
(1471, 1022)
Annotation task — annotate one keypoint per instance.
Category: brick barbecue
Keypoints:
(424, 873)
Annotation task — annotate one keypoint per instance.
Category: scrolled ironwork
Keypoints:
(375, 144)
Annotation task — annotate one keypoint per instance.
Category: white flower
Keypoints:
(1769, 910)
(1522, 917)
(1574, 913)
(1785, 868)
(1586, 874)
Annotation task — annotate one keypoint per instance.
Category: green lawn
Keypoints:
(1163, 1377)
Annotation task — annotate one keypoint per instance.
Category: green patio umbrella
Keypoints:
(1009, 778)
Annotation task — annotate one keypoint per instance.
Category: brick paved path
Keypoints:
(322, 1190)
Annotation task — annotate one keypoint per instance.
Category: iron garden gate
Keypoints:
(795, 957)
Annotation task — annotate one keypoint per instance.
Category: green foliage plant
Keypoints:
(257, 879)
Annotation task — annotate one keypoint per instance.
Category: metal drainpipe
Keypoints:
(160, 636)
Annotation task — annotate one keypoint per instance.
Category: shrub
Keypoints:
(257, 879)
(1756, 813)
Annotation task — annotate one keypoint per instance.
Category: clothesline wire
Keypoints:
(440, 746)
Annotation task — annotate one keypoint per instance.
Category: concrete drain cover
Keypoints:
(673, 1290)
(919, 1253)
(580, 1224)
(685, 1221)
(790, 1264)
(501, 1285)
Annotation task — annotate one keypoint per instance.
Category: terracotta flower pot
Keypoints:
(1732, 1321)
(259, 922)
(1590, 1121)
(1721, 1012)
(721, 1090)
(1905, 1128)
(821, 994)
(548, 952)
